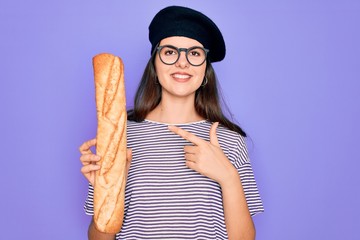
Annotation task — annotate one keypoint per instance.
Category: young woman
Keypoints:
(190, 176)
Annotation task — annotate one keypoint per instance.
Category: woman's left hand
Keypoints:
(205, 157)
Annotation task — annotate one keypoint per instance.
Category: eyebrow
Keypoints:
(180, 47)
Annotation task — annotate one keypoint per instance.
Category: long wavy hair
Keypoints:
(207, 98)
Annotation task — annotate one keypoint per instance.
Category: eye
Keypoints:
(169, 52)
(197, 52)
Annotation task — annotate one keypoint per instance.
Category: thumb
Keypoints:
(213, 136)
(128, 161)
(128, 158)
(128, 154)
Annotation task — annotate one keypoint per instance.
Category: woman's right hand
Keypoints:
(88, 160)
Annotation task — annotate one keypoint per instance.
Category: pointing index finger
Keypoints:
(186, 135)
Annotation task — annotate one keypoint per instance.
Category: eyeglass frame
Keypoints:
(186, 50)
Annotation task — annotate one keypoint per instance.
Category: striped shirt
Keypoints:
(164, 199)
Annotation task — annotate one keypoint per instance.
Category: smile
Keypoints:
(181, 76)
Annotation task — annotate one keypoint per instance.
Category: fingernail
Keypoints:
(97, 157)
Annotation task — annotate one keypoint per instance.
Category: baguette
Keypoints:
(109, 187)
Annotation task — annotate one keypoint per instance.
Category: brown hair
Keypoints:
(207, 101)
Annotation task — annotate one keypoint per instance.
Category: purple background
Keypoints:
(291, 78)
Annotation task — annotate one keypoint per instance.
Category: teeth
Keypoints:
(181, 76)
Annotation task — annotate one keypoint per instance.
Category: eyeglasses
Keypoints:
(169, 54)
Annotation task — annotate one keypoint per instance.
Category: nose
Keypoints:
(182, 61)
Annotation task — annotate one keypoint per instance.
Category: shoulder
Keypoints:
(145, 129)
(230, 137)
(133, 125)
(132, 122)
(233, 145)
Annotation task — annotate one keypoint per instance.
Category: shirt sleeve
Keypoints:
(243, 166)
(89, 202)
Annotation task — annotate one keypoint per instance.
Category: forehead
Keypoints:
(183, 42)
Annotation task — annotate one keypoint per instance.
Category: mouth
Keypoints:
(181, 77)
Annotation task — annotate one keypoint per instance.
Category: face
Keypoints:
(180, 79)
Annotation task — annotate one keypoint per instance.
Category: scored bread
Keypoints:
(109, 187)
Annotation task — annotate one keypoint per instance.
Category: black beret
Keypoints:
(186, 22)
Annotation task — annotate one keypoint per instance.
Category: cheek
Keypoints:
(202, 72)
(159, 67)
(156, 64)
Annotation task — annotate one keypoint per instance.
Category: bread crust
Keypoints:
(109, 187)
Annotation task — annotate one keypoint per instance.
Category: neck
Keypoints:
(178, 110)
